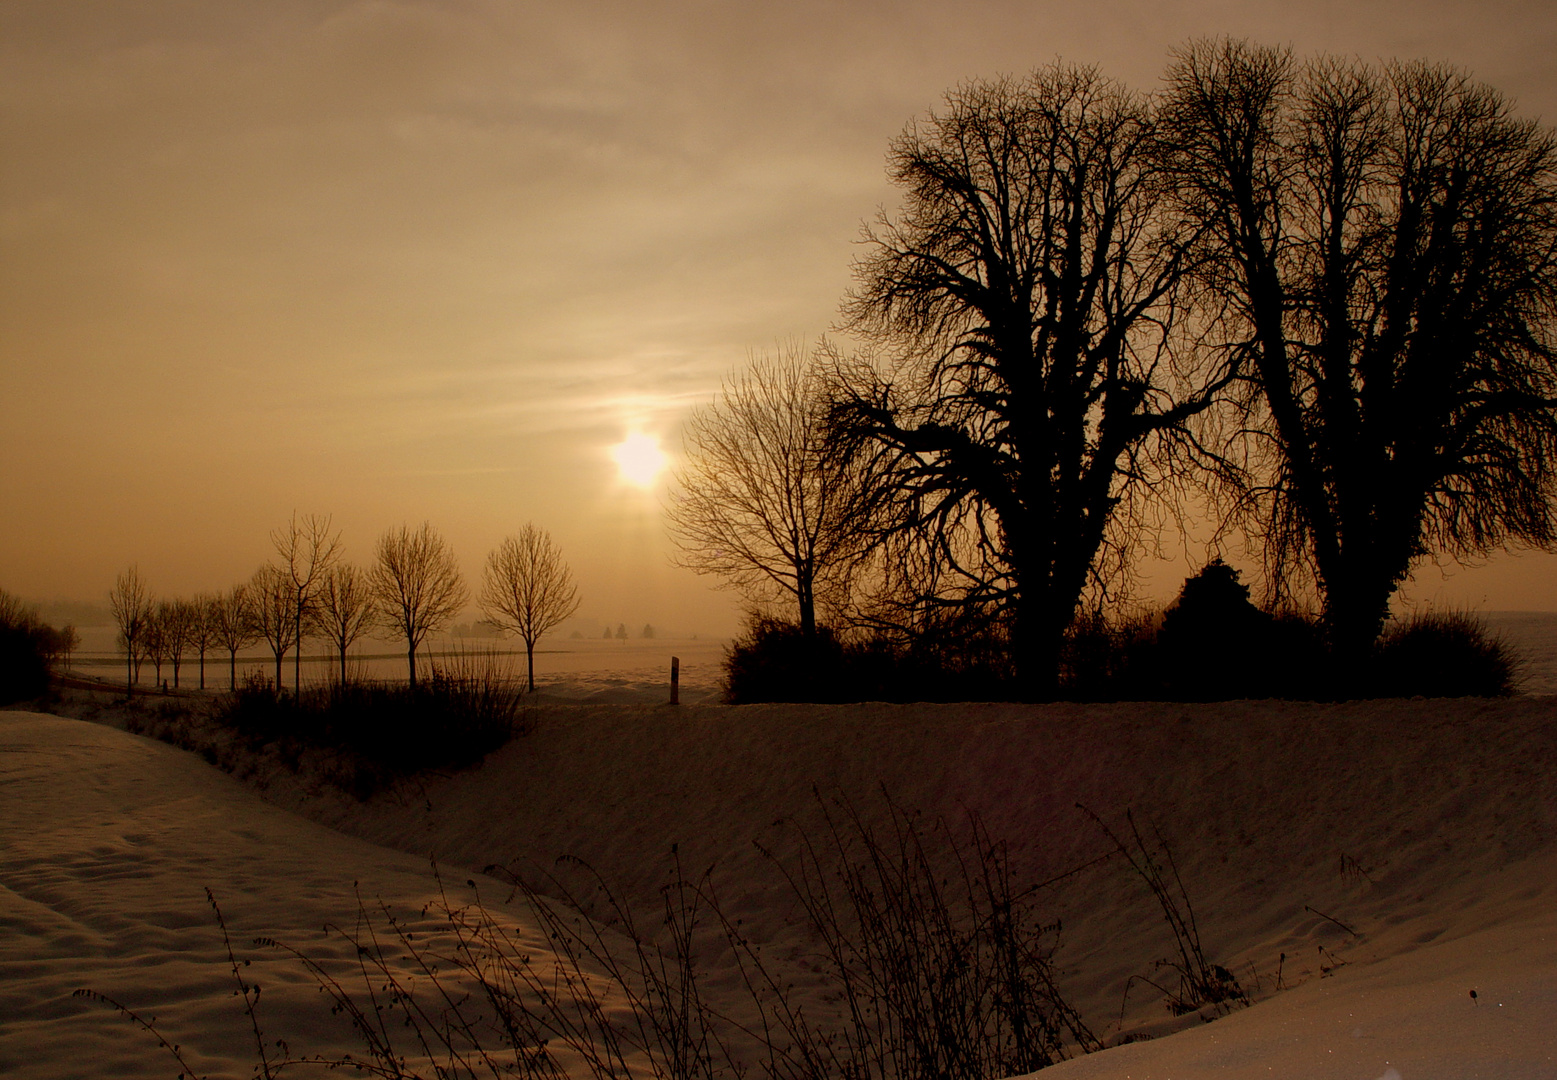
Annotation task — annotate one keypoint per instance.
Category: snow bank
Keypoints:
(1397, 854)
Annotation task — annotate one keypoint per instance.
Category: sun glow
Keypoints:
(639, 459)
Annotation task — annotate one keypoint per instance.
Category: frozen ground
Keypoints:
(1429, 829)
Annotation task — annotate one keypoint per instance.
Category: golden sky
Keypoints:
(397, 261)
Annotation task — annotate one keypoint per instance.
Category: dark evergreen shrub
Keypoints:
(1215, 644)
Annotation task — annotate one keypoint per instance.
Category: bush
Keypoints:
(1212, 644)
(466, 710)
(1104, 660)
(1442, 654)
(28, 648)
(775, 661)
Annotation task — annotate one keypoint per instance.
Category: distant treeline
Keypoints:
(412, 588)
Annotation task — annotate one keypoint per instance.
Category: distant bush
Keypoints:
(1442, 654)
(29, 648)
(463, 712)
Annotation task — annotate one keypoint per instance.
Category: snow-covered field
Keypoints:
(1427, 829)
(578, 669)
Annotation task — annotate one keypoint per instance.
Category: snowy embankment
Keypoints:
(1398, 855)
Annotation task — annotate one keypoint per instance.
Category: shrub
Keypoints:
(27, 651)
(1103, 660)
(775, 661)
(468, 708)
(1442, 654)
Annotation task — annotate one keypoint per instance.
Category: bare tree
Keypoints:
(158, 642)
(416, 585)
(307, 550)
(232, 621)
(527, 589)
(763, 502)
(202, 631)
(69, 642)
(178, 618)
(1023, 303)
(344, 608)
(1378, 259)
(130, 602)
(273, 609)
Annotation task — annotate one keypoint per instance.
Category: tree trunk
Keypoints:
(1356, 606)
(805, 593)
(410, 656)
(529, 656)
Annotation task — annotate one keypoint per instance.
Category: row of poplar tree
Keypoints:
(411, 588)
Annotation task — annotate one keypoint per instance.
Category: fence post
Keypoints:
(675, 680)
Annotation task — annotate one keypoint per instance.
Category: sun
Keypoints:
(639, 459)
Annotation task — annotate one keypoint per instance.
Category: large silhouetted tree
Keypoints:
(416, 585)
(527, 589)
(1022, 302)
(130, 603)
(762, 501)
(1377, 255)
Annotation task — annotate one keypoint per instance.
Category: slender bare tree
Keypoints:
(416, 585)
(763, 502)
(527, 589)
(179, 618)
(202, 631)
(1377, 256)
(233, 625)
(158, 638)
(273, 609)
(307, 550)
(130, 602)
(344, 608)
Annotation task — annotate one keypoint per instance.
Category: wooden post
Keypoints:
(675, 680)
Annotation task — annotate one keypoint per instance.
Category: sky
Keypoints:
(407, 261)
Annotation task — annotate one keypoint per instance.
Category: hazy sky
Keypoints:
(398, 261)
